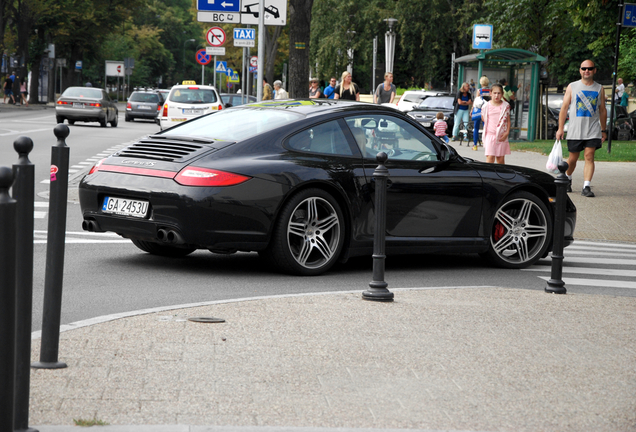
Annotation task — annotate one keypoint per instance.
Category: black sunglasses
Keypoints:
(588, 68)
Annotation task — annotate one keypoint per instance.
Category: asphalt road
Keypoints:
(104, 274)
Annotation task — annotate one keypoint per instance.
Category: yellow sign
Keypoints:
(234, 78)
(189, 83)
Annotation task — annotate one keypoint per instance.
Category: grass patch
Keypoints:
(91, 422)
(622, 151)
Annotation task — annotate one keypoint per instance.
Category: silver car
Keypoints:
(143, 105)
(86, 104)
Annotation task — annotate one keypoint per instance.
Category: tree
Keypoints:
(299, 45)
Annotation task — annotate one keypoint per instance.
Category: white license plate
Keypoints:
(125, 206)
(143, 107)
(193, 111)
(426, 124)
(78, 105)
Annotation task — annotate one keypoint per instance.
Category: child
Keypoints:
(496, 116)
(440, 127)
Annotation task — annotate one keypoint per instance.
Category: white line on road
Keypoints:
(623, 253)
(596, 282)
(601, 244)
(586, 270)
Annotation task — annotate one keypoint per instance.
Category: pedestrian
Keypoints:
(496, 116)
(8, 90)
(347, 88)
(440, 127)
(473, 88)
(314, 90)
(280, 91)
(625, 99)
(462, 103)
(484, 94)
(89, 84)
(23, 92)
(584, 102)
(329, 90)
(267, 90)
(385, 93)
(620, 89)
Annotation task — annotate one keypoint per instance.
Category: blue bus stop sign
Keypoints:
(629, 15)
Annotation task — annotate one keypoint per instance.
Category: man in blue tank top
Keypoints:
(584, 101)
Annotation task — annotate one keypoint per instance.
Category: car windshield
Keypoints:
(144, 97)
(437, 103)
(235, 124)
(193, 95)
(83, 92)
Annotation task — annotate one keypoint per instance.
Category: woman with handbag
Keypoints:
(496, 116)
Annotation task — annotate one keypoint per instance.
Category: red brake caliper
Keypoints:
(499, 231)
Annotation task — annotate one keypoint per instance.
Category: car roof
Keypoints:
(314, 107)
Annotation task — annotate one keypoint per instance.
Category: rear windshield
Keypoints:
(193, 95)
(414, 97)
(83, 92)
(235, 124)
(144, 97)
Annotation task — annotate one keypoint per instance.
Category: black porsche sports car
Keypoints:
(293, 181)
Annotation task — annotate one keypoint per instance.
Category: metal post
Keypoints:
(555, 284)
(389, 49)
(377, 288)
(375, 59)
(7, 294)
(619, 26)
(261, 51)
(453, 72)
(214, 79)
(23, 193)
(54, 272)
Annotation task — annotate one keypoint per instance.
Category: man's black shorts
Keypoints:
(577, 146)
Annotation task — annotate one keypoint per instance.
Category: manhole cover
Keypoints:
(208, 320)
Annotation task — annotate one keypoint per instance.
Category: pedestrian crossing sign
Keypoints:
(234, 78)
(221, 66)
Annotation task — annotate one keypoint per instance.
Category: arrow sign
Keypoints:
(219, 5)
(216, 36)
(229, 72)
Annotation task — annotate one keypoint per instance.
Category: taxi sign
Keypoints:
(190, 82)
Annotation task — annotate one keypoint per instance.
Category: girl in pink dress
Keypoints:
(496, 117)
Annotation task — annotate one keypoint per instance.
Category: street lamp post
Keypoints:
(183, 63)
(350, 35)
(389, 39)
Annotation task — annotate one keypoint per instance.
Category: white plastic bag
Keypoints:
(555, 158)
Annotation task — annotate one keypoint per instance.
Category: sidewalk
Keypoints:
(463, 358)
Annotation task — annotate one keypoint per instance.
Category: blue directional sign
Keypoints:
(229, 72)
(221, 66)
(629, 15)
(245, 33)
(482, 36)
(219, 5)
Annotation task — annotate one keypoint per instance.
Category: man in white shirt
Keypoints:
(620, 88)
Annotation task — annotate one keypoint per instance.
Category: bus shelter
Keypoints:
(521, 69)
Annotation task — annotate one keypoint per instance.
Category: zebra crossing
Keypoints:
(75, 237)
(82, 167)
(595, 264)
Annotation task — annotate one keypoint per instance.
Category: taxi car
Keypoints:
(188, 101)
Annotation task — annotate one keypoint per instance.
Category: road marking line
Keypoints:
(39, 215)
(586, 270)
(596, 282)
(614, 261)
(41, 204)
(568, 252)
(598, 244)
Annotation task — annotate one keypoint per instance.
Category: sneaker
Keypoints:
(454, 138)
(587, 192)
(569, 189)
(475, 148)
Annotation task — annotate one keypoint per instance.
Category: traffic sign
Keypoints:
(482, 36)
(234, 78)
(229, 72)
(219, 5)
(275, 12)
(215, 51)
(219, 17)
(254, 61)
(244, 37)
(203, 58)
(216, 36)
(221, 66)
(253, 69)
(629, 15)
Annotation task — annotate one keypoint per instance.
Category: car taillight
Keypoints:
(128, 106)
(195, 176)
(220, 107)
(96, 167)
(95, 104)
(165, 110)
(159, 107)
(62, 103)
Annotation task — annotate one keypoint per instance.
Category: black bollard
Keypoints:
(555, 284)
(377, 288)
(54, 271)
(8, 209)
(23, 193)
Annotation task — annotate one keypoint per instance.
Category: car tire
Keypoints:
(520, 231)
(126, 118)
(308, 235)
(71, 122)
(59, 119)
(115, 121)
(162, 250)
(102, 122)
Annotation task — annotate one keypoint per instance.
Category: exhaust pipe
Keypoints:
(162, 235)
(174, 237)
(91, 226)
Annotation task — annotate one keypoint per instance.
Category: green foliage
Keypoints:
(89, 422)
